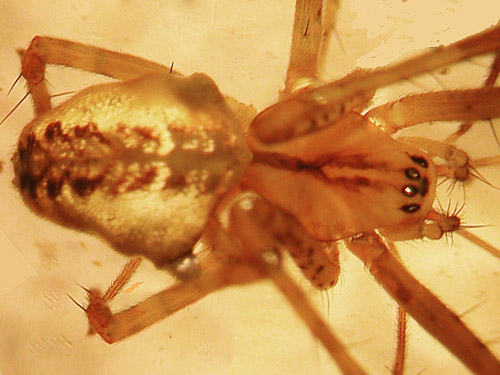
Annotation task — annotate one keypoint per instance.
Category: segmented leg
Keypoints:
(44, 50)
(399, 359)
(313, 23)
(402, 319)
(422, 305)
(312, 109)
(459, 105)
(214, 276)
(330, 10)
(98, 302)
(247, 225)
(489, 82)
(229, 264)
(307, 37)
(493, 250)
(318, 261)
(120, 281)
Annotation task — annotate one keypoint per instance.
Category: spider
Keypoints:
(51, 188)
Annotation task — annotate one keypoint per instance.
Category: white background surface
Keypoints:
(244, 46)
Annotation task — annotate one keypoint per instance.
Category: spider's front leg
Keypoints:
(422, 305)
(307, 38)
(459, 105)
(312, 109)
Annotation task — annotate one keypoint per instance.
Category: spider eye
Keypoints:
(411, 208)
(410, 190)
(420, 184)
(412, 174)
(420, 161)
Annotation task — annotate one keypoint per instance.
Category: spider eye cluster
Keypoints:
(418, 184)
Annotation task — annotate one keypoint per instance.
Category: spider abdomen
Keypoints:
(141, 162)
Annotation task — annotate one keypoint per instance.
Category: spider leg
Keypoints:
(493, 250)
(402, 320)
(214, 276)
(482, 162)
(307, 37)
(458, 105)
(422, 305)
(318, 261)
(260, 244)
(489, 82)
(313, 23)
(330, 9)
(465, 105)
(400, 358)
(120, 281)
(45, 50)
(299, 114)
(494, 71)
(227, 264)
(99, 301)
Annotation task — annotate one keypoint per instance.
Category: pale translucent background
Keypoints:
(244, 46)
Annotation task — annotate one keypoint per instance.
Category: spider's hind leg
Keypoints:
(45, 50)
(241, 250)
(216, 273)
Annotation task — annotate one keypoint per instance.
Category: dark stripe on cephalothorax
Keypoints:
(418, 184)
(285, 162)
(353, 161)
(280, 161)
